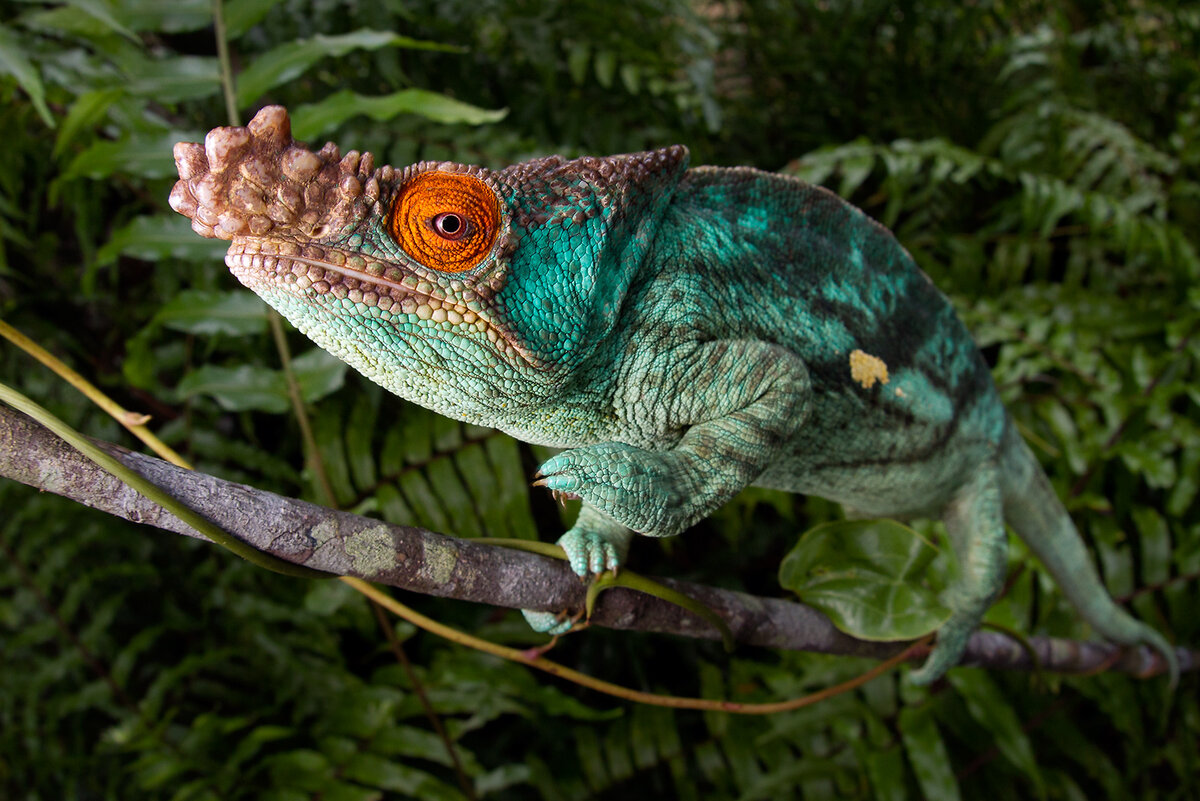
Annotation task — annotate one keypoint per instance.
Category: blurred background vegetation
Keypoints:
(1041, 160)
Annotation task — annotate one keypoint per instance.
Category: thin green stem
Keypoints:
(152, 491)
(226, 65)
(582, 679)
(320, 475)
(389, 631)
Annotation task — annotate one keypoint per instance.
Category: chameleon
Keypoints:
(679, 332)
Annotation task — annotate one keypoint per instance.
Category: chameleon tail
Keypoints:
(1033, 509)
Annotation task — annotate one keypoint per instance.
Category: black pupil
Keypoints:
(449, 224)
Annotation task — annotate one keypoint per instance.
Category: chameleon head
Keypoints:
(455, 286)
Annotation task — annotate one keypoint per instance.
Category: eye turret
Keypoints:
(446, 221)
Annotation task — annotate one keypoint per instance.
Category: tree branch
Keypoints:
(422, 561)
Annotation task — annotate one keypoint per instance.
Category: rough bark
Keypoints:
(422, 561)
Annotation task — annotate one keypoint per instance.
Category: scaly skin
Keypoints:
(682, 333)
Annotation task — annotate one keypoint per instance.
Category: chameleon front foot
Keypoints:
(651, 492)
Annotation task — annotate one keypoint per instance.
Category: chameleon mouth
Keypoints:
(328, 271)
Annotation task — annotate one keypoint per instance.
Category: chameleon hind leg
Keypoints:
(975, 522)
(594, 544)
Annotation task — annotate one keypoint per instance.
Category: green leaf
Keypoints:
(631, 78)
(991, 710)
(290, 60)
(319, 374)
(14, 62)
(242, 15)
(863, 574)
(502, 778)
(238, 389)
(315, 119)
(606, 67)
(293, 768)
(855, 169)
(381, 772)
(206, 312)
(578, 56)
(87, 110)
(169, 80)
(885, 770)
(250, 745)
(248, 387)
(1093, 759)
(102, 13)
(161, 236)
(927, 754)
(144, 155)
(176, 16)
(344, 791)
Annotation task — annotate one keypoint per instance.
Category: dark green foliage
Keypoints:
(1040, 160)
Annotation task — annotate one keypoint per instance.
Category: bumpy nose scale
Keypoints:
(256, 180)
(299, 221)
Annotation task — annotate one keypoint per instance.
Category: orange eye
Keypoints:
(447, 221)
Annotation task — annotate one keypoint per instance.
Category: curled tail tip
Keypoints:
(1169, 655)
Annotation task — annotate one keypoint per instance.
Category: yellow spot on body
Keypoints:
(899, 392)
(867, 369)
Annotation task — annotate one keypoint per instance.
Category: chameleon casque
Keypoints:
(682, 333)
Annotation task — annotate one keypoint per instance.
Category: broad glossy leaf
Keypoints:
(605, 66)
(337, 790)
(578, 56)
(144, 155)
(990, 709)
(238, 389)
(328, 432)
(176, 16)
(14, 62)
(616, 750)
(242, 15)
(885, 770)
(263, 389)
(502, 778)
(455, 498)
(199, 311)
(319, 374)
(291, 59)
(1089, 755)
(410, 741)
(359, 430)
(864, 575)
(590, 758)
(317, 118)
(85, 113)
(103, 13)
(425, 502)
(170, 80)
(303, 768)
(161, 236)
(855, 170)
(387, 774)
(927, 754)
